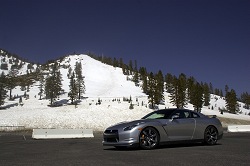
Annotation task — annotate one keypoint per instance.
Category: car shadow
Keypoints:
(164, 146)
(184, 145)
(123, 149)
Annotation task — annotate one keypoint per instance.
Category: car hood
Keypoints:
(128, 123)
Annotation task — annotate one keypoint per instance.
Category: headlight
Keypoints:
(131, 127)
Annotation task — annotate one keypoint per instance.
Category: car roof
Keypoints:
(182, 109)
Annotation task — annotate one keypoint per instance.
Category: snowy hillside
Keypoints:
(8, 63)
(102, 82)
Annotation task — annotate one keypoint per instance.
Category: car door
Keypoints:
(181, 126)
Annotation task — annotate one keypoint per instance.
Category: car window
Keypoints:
(187, 114)
(181, 114)
(156, 116)
(161, 114)
(195, 115)
(178, 114)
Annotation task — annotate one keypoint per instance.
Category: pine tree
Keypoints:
(182, 90)
(53, 85)
(131, 69)
(216, 91)
(22, 83)
(25, 81)
(159, 90)
(135, 69)
(211, 88)
(169, 82)
(11, 82)
(69, 73)
(174, 97)
(41, 86)
(197, 97)
(206, 94)
(226, 89)
(231, 102)
(145, 84)
(136, 78)
(143, 76)
(245, 98)
(115, 63)
(142, 73)
(73, 90)
(191, 89)
(80, 84)
(221, 93)
(125, 69)
(178, 92)
(3, 92)
(151, 90)
(123, 66)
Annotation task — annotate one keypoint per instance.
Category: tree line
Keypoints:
(182, 89)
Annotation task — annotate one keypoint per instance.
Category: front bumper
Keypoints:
(113, 137)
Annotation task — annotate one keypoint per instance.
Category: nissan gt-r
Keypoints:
(164, 126)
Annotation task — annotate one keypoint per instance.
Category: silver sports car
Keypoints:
(164, 126)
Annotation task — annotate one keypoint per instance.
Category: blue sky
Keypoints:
(208, 39)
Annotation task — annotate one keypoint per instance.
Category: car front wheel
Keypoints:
(211, 135)
(149, 138)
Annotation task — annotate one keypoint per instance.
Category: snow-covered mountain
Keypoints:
(10, 62)
(102, 82)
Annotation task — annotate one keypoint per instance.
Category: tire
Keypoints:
(149, 138)
(210, 135)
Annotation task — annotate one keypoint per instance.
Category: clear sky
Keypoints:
(207, 39)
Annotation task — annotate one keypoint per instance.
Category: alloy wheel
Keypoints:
(149, 138)
(211, 135)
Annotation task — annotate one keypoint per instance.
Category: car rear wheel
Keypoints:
(210, 135)
(149, 138)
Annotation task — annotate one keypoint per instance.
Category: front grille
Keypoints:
(111, 136)
(111, 139)
(111, 131)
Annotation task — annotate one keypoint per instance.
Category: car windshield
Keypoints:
(160, 114)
